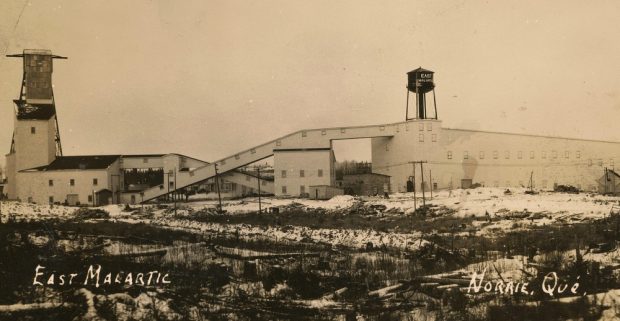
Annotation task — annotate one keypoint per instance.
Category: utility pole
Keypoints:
(260, 209)
(415, 204)
(168, 183)
(422, 174)
(175, 192)
(414, 183)
(430, 178)
(217, 184)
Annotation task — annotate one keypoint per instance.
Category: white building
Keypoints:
(37, 172)
(417, 153)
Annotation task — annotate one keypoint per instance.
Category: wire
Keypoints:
(15, 26)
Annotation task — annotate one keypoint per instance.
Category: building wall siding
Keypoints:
(34, 185)
(492, 159)
(310, 162)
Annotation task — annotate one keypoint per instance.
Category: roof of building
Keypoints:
(79, 162)
(420, 69)
(142, 155)
(613, 172)
(361, 174)
(37, 52)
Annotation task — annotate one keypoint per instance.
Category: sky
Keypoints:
(210, 78)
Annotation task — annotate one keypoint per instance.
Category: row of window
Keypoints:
(51, 199)
(302, 189)
(544, 184)
(429, 127)
(302, 173)
(433, 138)
(72, 182)
(532, 155)
(249, 178)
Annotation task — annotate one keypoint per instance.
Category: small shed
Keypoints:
(103, 197)
(609, 183)
(366, 184)
(324, 192)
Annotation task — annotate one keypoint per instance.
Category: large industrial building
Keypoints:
(38, 172)
(417, 153)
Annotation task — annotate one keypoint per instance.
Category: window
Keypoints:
(421, 137)
(481, 155)
(33, 130)
(302, 189)
(590, 162)
(323, 132)
(578, 154)
(507, 154)
(554, 154)
(171, 184)
(381, 128)
(429, 126)
(343, 130)
(278, 143)
(495, 154)
(51, 200)
(302, 173)
(449, 155)
(320, 173)
(465, 155)
(519, 154)
(434, 137)
(263, 182)
(145, 160)
(95, 182)
(434, 185)
(421, 126)
(531, 154)
(283, 174)
(72, 182)
(90, 198)
(544, 155)
(247, 178)
(304, 134)
(283, 189)
(237, 157)
(50, 182)
(566, 154)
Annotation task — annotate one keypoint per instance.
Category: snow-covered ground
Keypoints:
(503, 213)
(466, 202)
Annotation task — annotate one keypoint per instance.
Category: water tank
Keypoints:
(420, 80)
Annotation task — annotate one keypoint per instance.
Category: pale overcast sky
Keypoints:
(208, 78)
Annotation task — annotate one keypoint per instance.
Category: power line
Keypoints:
(15, 26)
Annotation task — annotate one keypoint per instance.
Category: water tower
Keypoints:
(420, 82)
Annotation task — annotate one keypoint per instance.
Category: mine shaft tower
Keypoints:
(36, 94)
